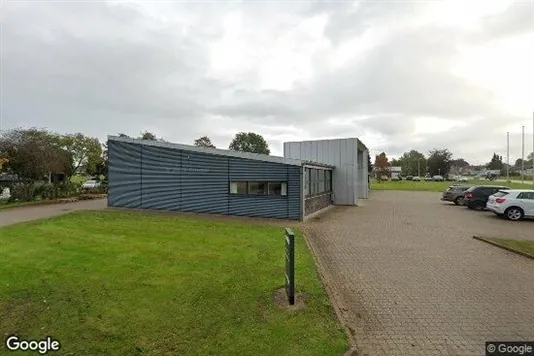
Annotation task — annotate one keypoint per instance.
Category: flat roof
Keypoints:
(218, 151)
(361, 145)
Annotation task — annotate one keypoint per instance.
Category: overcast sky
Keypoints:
(398, 75)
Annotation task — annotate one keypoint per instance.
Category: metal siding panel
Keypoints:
(267, 207)
(161, 178)
(124, 180)
(204, 183)
(294, 192)
(263, 206)
(245, 169)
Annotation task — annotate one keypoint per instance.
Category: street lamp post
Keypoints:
(508, 157)
(522, 154)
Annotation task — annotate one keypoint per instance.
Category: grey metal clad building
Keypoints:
(348, 156)
(158, 175)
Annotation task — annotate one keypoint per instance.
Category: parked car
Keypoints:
(416, 179)
(462, 179)
(409, 177)
(438, 178)
(513, 204)
(476, 197)
(455, 194)
(395, 179)
(91, 184)
(428, 179)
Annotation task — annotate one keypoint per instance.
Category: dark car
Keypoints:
(409, 177)
(476, 197)
(455, 193)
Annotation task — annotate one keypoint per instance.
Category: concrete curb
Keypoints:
(353, 351)
(319, 212)
(486, 240)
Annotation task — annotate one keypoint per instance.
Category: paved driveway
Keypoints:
(22, 214)
(409, 279)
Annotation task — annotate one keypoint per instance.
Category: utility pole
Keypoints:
(508, 157)
(523, 154)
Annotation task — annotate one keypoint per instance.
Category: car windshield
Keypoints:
(500, 194)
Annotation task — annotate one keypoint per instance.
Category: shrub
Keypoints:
(22, 192)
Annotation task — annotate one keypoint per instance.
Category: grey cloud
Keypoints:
(102, 69)
(150, 75)
(517, 19)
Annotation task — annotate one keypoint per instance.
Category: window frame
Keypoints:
(248, 184)
(237, 189)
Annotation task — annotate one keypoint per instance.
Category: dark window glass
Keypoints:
(275, 188)
(308, 182)
(322, 187)
(526, 195)
(238, 187)
(257, 188)
(500, 194)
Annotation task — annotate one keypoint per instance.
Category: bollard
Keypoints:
(290, 266)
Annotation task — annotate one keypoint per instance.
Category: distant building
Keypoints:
(395, 171)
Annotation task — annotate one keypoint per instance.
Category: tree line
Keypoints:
(438, 162)
(34, 154)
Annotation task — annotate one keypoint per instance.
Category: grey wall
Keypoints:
(149, 177)
(343, 154)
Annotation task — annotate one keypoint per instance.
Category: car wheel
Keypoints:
(459, 201)
(478, 206)
(514, 214)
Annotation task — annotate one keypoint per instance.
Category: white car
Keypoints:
(513, 204)
(91, 184)
(416, 179)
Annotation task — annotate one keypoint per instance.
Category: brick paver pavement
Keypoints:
(408, 278)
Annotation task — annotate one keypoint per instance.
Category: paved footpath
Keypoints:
(28, 213)
(409, 279)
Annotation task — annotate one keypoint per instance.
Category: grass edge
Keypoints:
(321, 271)
(504, 247)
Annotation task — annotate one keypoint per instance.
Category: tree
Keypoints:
(33, 154)
(412, 163)
(381, 166)
(519, 163)
(439, 162)
(123, 135)
(459, 163)
(86, 151)
(495, 163)
(148, 136)
(369, 163)
(250, 142)
(204, 141)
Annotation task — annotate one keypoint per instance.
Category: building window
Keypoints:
(259, 188)
(328, 180)
(322, 187)
(317, 181)
(307, 181)
(238, 187)
(277, 188)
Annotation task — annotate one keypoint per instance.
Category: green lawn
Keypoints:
(520, 245)
(439, 186)
(127, 283)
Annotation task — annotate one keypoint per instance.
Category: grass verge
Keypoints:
(522, 247)
(127, 283)
(439, 186)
